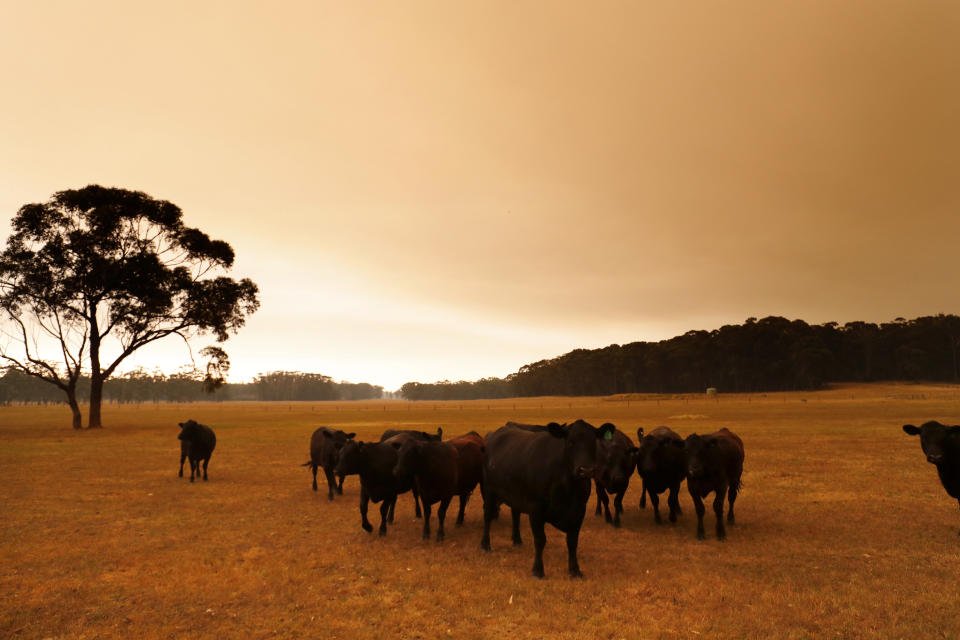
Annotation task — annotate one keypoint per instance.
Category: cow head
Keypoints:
(188, 429)
(334, 443)
(936, 440)
(408, 457)
(351, 458)
(657, 452)
(580, 444)
(615, 459)
(700, 452)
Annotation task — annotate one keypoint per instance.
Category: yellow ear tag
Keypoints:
(608, 435)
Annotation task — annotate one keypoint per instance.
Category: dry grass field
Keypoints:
(843, 529)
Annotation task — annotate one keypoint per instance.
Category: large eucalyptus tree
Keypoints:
(94, 274)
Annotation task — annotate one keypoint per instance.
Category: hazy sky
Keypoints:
(429, 190)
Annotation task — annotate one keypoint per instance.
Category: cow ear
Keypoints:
(327, 434)
(909, 429)
(606, 430)
(182, 425)
(556, 430)
(639, 433)
(439, 432)
(351, 436)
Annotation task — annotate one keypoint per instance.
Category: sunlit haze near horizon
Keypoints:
(451, 190)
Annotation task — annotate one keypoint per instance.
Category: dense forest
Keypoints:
(187, 386)
(771, 354)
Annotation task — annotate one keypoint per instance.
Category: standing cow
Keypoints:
(616, 460)
(714, 464)
(325, 445)
(662, 464)
(469, 448)
(433, 466)
(941, 444)
(546, 473)
(401, 436)
(197, 442)
(374, 462)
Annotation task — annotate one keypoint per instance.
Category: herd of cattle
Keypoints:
(545, 471)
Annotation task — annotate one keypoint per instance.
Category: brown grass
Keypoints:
(843, 530)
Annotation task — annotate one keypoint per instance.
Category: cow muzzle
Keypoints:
(934, 459)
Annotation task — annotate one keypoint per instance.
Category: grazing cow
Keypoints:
(197, 442)
(469, 468)
(374, 462)
(714, 463)
(433, 466)
(544, 472)
(616, 460)
(325, 445)
(662, 465)
(401, 436)
(941, 444)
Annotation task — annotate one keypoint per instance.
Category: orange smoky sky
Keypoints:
(430, 190)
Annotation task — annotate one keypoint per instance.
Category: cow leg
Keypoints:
(340, 485)
(384, 510)
(182, 458)
(515, 516)
(674, 502)
(314, 467)
(489, 514)
(698, 505)
(206, 461)
(331, 482)
(364, 504)
(718, 511)
(193, 468)
(390, 515)
(597, 485)
(573, 566)
(655, 503)
(416, 502)
(426, 519)
(618, 508)
(463, 505)
(441, 516)
(539, 541)
(643, 494)
(602, 497)
(731, 498)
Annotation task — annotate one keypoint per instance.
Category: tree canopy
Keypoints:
(96, 273)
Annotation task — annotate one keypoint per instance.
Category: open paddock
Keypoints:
(843, 529)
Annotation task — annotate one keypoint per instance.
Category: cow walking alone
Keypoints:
(197, 442)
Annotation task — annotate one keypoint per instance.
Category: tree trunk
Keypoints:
(96, 373)
(75, 409)
(96, 399)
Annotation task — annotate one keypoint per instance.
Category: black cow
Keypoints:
(325, 445)
(662, 464)
(374, 462)
(616, 460)
(433, 466)
(544, 472)
(401, 436)
(714, 463)
(941, 444)
(197, 442)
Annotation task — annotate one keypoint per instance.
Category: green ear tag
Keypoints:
(608, 435)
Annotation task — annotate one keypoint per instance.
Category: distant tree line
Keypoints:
(771, 354)
(186, 386)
